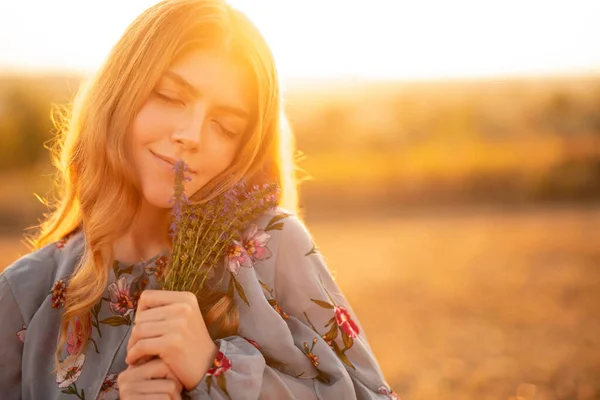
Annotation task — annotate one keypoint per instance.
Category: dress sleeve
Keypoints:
(323, 329)
(12, 336)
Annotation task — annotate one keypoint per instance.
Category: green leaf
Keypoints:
(208, 383)
(348, 341)
(341, 355)
(95, 345)
(310, 323)
(230, 287)
(278, 365)
(323, 304)
(276, 227)
(314, 250)
(273, 223)
(240, 291)
(222, 382)
(82, 394)
(331, 333)
(115, 267)
(265, 287)
(125, 271)
(115, 321)
(322, 377)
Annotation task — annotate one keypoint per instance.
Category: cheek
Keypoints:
(148, 125)
(216, 156)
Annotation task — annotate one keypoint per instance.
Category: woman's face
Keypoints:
(198, 112)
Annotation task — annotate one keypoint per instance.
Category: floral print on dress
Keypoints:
(68, 372)
(60, 243)
(221, 364)
(273, 302)
(21, 334)
(309, 353)
(121, 302)
(75, 338)
(238, 257)
(109, 388)
(344, 321)
(385, 391)
(252, 342)
(255, 242)
(158, 268)
(341, 323)
(277, 308)
(58, 293)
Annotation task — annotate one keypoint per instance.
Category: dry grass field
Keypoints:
(470, 303)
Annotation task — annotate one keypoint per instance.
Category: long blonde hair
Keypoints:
(97, 190)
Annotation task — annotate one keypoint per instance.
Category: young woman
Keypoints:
(190, 80)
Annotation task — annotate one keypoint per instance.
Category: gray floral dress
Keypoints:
(298, 337)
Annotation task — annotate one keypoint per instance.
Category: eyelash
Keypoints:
(226, 131)
(170, 100)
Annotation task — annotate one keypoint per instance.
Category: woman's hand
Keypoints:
(169, 325)
(149, 380)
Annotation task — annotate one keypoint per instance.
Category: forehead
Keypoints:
(208, 74)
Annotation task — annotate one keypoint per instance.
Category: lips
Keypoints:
(169, 160)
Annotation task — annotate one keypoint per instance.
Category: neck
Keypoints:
(146, 236)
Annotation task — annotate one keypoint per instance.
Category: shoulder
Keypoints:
(291, 242)
(283, 222)
(285, 230)
(31, 277)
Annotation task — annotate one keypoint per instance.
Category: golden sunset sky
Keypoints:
(334, 38)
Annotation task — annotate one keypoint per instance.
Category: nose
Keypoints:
(189, 135)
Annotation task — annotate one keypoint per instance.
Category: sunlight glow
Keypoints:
(325, 38)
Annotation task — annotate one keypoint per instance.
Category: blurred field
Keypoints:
(471, 303)
(462, 220)
(476, 303)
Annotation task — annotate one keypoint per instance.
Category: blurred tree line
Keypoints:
(392, 142)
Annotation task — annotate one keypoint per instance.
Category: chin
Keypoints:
(158, 197)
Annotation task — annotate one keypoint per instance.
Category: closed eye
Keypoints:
(168, 100)
(225, 130)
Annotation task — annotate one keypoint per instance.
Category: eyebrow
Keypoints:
(180, 81)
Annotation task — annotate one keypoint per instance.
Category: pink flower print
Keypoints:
(109, 386)
(21, 334)
(278, 308)
(69, 370)
(121, 302)
(344, 321)
(63, 240)
(255, 242)
(238, 257)
(252, 342)
(389, 393)
(158, 268)
(58, 292)
(220, 364)
(75, 339)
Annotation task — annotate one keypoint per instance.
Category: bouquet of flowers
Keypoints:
(205, 234)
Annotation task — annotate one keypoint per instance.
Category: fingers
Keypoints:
(150, 330)
(139, 378)
(159, 386)
(162, 313)
(163, 346)
(162, 389)
(158, 298)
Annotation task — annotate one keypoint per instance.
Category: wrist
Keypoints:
(208, 363)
